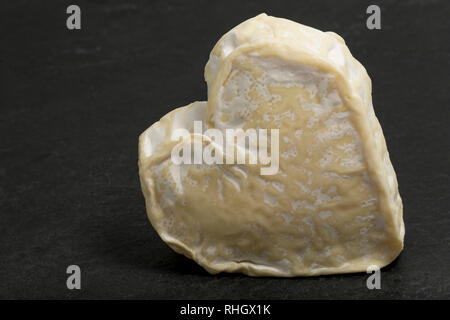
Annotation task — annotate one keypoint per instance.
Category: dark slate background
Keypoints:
(74, 102)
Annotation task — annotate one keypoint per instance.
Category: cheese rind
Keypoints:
(332, 207)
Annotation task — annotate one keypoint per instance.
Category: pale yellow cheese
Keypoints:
(333, 205)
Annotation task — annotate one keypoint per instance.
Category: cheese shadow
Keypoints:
(136, 245)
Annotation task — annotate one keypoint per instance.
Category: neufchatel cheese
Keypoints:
(311, 189)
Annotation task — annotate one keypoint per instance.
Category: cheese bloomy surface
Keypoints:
(332, 205)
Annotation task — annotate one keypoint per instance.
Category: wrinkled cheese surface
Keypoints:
(332, 207)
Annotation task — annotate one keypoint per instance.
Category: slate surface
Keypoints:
(74, 102)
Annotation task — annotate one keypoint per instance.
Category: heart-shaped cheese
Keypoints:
(331, 202)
